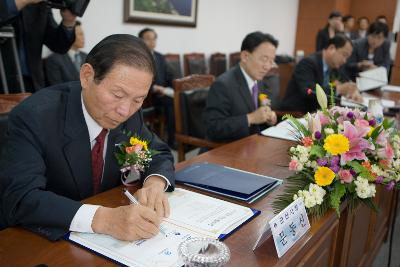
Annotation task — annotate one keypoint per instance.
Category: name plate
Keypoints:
(289, 225)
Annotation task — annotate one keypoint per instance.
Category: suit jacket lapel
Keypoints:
(244, 89)
(77, 146)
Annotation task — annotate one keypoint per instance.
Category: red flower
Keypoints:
(309, 91)
(307, 141)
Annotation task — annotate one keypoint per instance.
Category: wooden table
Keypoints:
(352, 240)
(259, 154)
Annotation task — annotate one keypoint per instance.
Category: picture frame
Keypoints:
(163, 12)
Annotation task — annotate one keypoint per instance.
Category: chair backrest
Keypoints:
(234, 58)
(174, 65)
(189, 103)
(194, 63)
(217, 64)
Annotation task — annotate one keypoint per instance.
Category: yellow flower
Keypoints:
(324, 176)
(262, 97)
(137, 141)
(337, 144)
(371, 129)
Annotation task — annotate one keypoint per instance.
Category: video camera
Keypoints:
(77, 7)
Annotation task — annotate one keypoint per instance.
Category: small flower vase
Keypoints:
(203, 252)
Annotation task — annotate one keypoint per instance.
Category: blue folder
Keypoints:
(226, 181)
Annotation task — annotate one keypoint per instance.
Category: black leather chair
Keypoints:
(189, 102)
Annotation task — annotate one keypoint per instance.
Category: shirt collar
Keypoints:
(71, 54)
(93, 127)
(325, 66)
(249, 80)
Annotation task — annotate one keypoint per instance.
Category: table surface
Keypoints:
(258, 154)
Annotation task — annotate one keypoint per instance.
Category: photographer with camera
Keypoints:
(34, 26)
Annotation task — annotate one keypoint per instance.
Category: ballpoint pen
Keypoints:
(133, 200)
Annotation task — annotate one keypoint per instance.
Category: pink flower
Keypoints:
(324, 120)
(358, 145)
(386, 152)
(293, 165)
(345, 176)
(137, 147)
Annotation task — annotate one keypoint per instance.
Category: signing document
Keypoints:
(192, 215)
(283, 130)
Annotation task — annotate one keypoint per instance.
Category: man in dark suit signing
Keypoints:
(61, 147)
(324, 68)
(233, 109)
(61, 68)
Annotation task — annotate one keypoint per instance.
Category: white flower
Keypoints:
(364, 189)
(329, 131)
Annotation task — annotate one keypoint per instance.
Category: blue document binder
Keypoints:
(226, 181)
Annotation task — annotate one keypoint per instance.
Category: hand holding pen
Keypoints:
(134, 201)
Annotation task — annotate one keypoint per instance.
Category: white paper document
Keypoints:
(371, 79)
(283, 130)
(346, 102)
(192, 215)
(391, 88)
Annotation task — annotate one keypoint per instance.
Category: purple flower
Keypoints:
(317, 135)
(372, 122)
(335, 160)
(379, 180)
(353, 172)
(335, 168)
(390, 186)
(322, 161)
(350, 115)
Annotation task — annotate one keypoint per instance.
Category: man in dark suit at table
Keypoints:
(233, 109)
(60, 68)
(163, 94)
(370, 52)
(61, 147)
(324, 67)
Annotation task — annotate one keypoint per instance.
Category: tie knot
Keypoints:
(102, 135)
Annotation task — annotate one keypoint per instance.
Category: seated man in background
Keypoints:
(60, 68)
(163, 94)
(370, 52)
(233, 109)
(61, 147)
(322, 67)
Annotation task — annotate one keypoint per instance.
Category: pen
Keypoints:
(133, 200)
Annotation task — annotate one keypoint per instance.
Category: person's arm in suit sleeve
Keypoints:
(386, 55)
(58, 38)
(220, 124)
(52, 71)
(319, 41)
(25, 202)
(8, 10)
(306, 78)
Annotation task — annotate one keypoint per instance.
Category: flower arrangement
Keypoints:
(341, 154)
(264, 100)
(134, 155)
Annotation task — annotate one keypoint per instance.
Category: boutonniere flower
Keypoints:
(263, 99)
(134, 155)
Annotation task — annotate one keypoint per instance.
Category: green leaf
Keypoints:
(336, 194)
(357, 167)
(321, 97)
(297, 124)
(318, 151)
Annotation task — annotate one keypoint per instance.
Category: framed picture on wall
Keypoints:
(166, 12)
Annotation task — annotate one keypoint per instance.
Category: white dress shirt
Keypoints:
(82, 221)
(249, 80)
